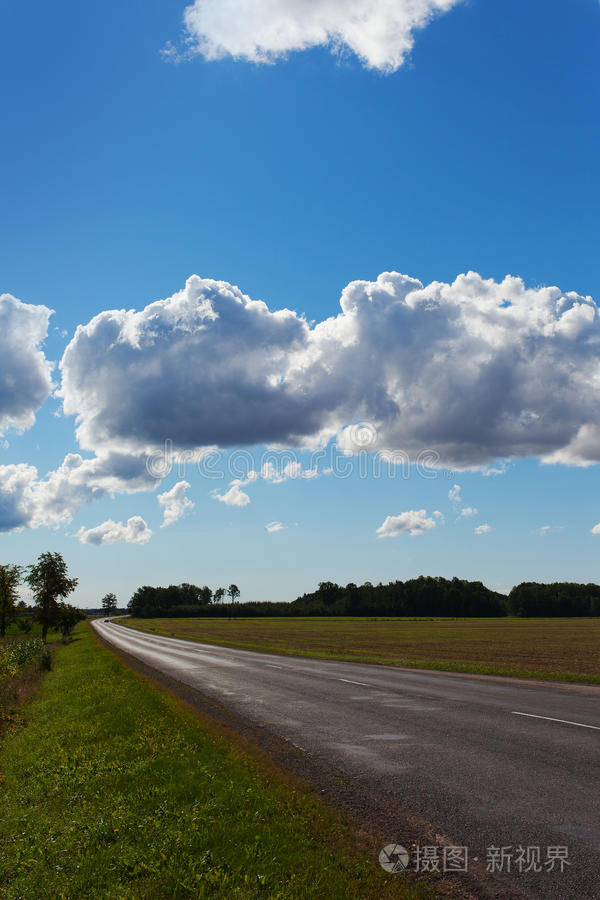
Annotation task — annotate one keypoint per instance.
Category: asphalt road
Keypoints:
(490, 763)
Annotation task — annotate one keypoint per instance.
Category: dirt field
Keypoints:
(556, 649)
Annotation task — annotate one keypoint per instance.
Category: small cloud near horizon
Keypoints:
(136, 531)
(272, 527)
(483, 529)
(412, 522)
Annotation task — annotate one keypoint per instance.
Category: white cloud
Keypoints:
(278, 473)
(483, 529)
(235, 496)
(16, 496)
(581, 450)
(28, 500)
(595, 529)
(206, 366)
(271, 472)
(379, 32)
(272, 527)
(136, 531)
(500, 469)
(25, 373)
(469, 511)
(413, 522)
(175, 503)
(550, 529)
(473, 371)
(454, 494)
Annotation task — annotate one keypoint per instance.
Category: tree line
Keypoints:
(422, 596)
(181, 600)
(557, 599)
(50, 585)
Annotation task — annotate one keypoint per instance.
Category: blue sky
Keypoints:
(124, 173)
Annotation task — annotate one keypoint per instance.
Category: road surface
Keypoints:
(490, 763)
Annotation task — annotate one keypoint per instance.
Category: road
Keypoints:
(488, 762)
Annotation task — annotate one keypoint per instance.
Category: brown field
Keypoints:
(552, 649)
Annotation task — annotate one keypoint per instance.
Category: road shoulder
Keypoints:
(372, 821)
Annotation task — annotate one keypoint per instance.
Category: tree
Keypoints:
(10, 578)
(49, 581)
(68, 617)
(109, 604)
(218, 595)
(206, 595)
(234, 592)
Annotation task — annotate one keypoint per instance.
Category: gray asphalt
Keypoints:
(485, 761)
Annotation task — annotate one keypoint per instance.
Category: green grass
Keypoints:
(15, 654)
(13, 630)
(549, 649)
(115, 790)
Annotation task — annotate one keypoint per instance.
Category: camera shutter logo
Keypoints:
(394, 858)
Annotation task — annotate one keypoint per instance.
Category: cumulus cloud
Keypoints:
(413, 522)
(379, 32)
(469, 511)
(25, 374)
(28, 500)
(272, 527)
(472, 371)
(235, 496)
(271, 472)
(136, 531)
(16, 496)
(174, 502)
(595, 529)
(483, 529)
(206, 366)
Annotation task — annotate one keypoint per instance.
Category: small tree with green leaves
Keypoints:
(109, 604)
(234, 592)
(23, 617)
(68, 617)
(49, 582)
(10, 579)
(24, 623)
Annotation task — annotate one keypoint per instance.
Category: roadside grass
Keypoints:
(13, 630)
(547, 649)
(23, 661)
(115, 790)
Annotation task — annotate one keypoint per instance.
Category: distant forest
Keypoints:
(423, 596)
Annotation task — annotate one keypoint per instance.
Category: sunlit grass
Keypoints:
(14, 654)
(13, 630)
(114, 790)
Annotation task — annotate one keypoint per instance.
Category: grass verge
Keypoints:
(115, 790)
(547, 649)
(23, 662)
